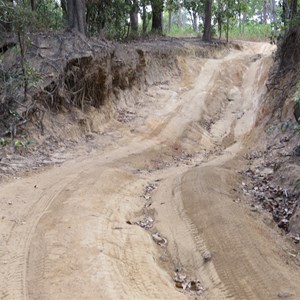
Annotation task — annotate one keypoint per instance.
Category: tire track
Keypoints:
(186, 245)
(17, 245)
(239, 258)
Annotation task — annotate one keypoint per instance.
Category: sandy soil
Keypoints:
(69, 232)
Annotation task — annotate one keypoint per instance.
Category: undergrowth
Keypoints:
(248, 32)
(251, 32)
(185, 31)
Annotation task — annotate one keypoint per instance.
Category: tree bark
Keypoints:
(264, 12)
(180, 22)
(227, 21)
(134, 20)
(157, 16)
(33, 5)
(293, 8)
(273, 11)
(63, 5)
(76, 16)
(194, 21)
(285, 12)
(144, 18)
(219, 19)
(207, 21)
(23, 61)
(170, 21)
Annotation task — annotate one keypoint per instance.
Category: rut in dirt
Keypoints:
(80, 233)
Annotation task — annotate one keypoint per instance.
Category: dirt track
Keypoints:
(64, 233)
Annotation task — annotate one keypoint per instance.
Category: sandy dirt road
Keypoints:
(65, 232)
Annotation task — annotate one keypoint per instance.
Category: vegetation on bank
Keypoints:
(122, 19)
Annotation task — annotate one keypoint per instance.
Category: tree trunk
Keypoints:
(207, 21)
(23, 62)
(227, 21)
(264, 12)
(157, 16)
(170, 21)
(76, 16)
(284, 12)
(180, 23)
(194, 21)
(244, 20)
(244, 16)
(239, 15)
(63, 5)
(293, 8)
(219, 19)
(33, 5)
(134, 20)
(273, 11)
(144, 17)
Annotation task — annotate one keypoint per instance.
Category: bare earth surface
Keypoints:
(70, 232)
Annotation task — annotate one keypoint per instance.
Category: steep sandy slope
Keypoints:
(67, 232)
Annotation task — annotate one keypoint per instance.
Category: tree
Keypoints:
(273, 11)
(293, 5)
(157, 16)
(134, 20)
(5, 16)
(63, 4)
(76, 16)
(195, 10)
(289, 10)
(207, 21)
(171, 6)
(145, 15)
(33, 5)
(219, 18)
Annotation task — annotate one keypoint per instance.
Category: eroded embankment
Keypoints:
(86, 83)
(274, 169)
(168, 165)
(117, 75)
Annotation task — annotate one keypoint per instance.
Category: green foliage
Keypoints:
(297, 130)
(282, 127)
(295, 21)
(117, 24)
(194, 6)
(18, 143)
(19, 17)
(22, 143)
(4, 142)
(172, 5)
(33, 76)
(251, 32)
(277, 32)
(49, 15)
(12, 80)
(297, 184)
(109, 18)
(185, 31)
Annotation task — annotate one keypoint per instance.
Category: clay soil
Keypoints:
(151, 206)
